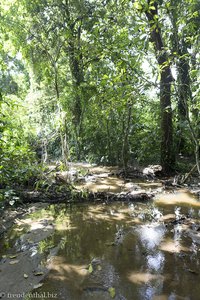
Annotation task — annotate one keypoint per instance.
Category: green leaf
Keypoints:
(152, 7)
(137, 5)
(12, 256)
(90, 268)
(13, 262)
(38, 273)
(112, 292)
(37, 285)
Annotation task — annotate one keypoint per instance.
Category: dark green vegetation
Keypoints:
(112, 82)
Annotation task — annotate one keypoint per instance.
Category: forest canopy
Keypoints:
(110, 82)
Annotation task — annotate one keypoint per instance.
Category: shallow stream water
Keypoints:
(107, 251)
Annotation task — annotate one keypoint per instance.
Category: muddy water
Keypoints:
(120, 251)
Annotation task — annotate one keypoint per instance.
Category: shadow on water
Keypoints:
(122, 251)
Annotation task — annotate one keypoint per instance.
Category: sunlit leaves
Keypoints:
(90, 268)
(112, 292)
(137, 5)
(115, 55)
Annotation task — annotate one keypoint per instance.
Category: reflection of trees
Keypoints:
(130, 258)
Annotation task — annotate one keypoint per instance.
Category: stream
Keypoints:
(126, 251)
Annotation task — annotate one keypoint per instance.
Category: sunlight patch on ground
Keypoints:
(168, 218)
(172, 246)
(65, 226)
(161, 297)
(102, 184)
(110, 215)
(93, 168)
(68, 272)
(141, 278)
(152, 185)
(177, 199)
(39, 224)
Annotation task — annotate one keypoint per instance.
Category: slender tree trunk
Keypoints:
(109, 151)
(167, 152)
(125, 146)
(62, 129)
(64, 149)
(44, 150)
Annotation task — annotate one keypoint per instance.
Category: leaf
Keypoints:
(12, 256)
(110, 244)
(99, 268)
(112, 292)
(29, 241)
(38, 273)
(36, 286)
(90, 269)
(152, 7)
(13, 262)
(193, 272)
(25, 276)
(12, 202)
(137, 5)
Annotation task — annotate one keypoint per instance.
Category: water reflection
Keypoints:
(155, 262)
(151, 235)
(97, 247)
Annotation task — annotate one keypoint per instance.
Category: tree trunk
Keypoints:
(182, 68)
(63, 128)
(167, 153)
(77, 74)
(125, 145)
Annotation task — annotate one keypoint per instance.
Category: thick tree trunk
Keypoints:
(167, 152)
(76, 69)
(184, 92)
(77, 78)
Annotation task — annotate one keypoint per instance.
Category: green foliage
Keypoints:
(79, 79)
(9, 196)
(16, 157)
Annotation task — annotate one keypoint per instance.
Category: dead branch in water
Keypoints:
(187, 175)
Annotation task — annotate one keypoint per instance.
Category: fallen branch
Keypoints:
(56, 168)
(73, 195)
(109, 197)
(187, 175)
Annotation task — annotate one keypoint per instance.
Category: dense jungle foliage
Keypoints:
(105, 81)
